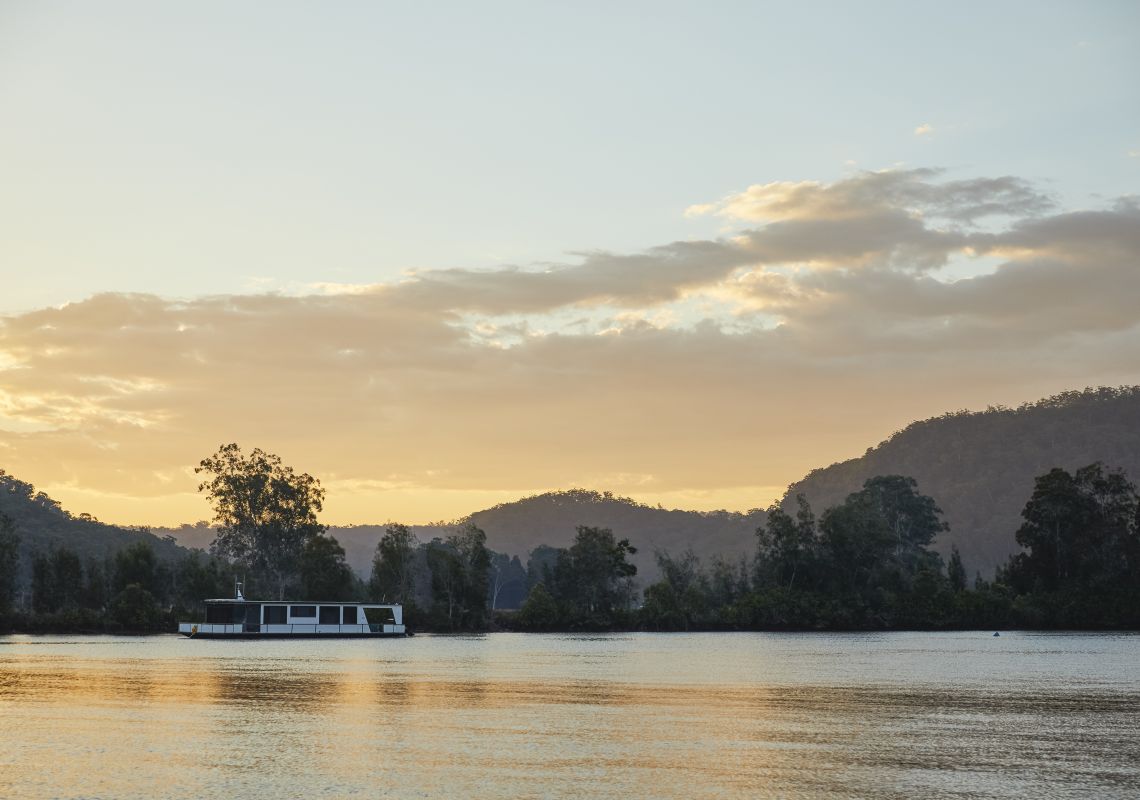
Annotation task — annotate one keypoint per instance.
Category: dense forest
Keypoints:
(867, 564)
(981, 465)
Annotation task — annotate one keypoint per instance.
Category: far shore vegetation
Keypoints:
(861, 565)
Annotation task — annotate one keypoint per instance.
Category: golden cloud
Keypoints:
(726, 364)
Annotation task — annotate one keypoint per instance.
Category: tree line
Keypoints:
(131, 591)
(865, 563)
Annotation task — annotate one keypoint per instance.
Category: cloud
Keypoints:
(914, 191)
(819, 326)
(925, 129)
(658, 275)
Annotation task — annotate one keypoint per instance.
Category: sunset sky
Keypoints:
(445, 255)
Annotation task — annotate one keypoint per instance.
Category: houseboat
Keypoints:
(238, 618)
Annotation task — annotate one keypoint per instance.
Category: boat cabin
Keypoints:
(238, 617)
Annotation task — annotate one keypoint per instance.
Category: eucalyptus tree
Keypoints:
(1079, 529)
(956, 570)
(593, 575)
(787, 545)
(470, 548)
(681, 598)
(9, 562)
(394, 566)
(507, 580)
(325, 574)
(266, 513)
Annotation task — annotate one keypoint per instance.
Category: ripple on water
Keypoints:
(672, 716)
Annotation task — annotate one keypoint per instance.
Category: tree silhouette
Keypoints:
(266, 512)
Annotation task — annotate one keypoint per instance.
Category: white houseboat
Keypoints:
(238, 618)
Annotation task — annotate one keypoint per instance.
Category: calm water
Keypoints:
(511, 715)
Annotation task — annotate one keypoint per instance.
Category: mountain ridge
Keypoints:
(979, 466)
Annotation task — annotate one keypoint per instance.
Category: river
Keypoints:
(545, 716)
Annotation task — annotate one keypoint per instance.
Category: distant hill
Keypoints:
(551, 518)
(517, 528)
(980, 466)
(42, 524)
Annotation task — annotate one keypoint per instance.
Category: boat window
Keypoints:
(349, 615)
(330, 615)
(303, 611)
(219, 614)
(275, 615)
(380, 616)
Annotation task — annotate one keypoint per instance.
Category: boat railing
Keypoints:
(294, 628)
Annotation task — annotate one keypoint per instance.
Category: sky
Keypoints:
(445, 255)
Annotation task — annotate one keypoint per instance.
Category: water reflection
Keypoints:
(274, 689)
(516, 716)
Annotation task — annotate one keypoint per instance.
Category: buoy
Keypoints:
(996, 633)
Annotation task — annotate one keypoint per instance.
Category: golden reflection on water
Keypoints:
(545, 717)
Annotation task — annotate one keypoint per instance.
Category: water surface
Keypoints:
(521, 716)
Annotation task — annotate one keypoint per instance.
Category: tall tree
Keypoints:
(136, 564)
(44, 600)
(787, 545)
(1079, 530)
(67, 573)
(459, 568)
(265, 511)
(447, 580)
(200, 579)
(507, 582)
(680, 598)
(877, 537)
(593, 575)
(57, 581)
(394, 566)
(956, 570)
(9, 562)
(540, 611)
(540, 565)
(913, 519)
(325, 575)
(95, 586)
(470, 545)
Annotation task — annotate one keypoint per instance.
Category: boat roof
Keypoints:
(300, 602)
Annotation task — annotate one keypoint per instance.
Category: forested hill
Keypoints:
(42, 524)
(551, 519)
(517, 528)
(980, 466)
